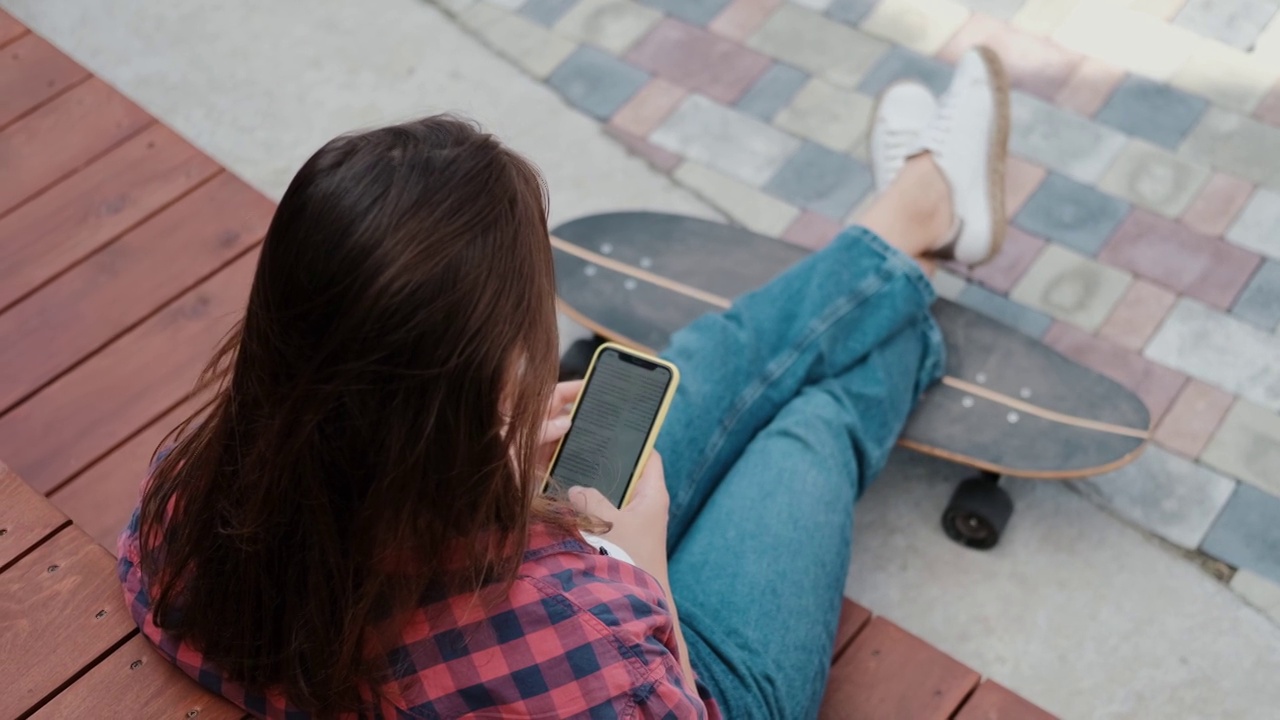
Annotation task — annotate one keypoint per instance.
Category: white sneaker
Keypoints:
(968, 138)
(902, 112)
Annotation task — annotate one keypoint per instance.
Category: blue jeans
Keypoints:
(789, 404)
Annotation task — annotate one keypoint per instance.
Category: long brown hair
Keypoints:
(377, 410)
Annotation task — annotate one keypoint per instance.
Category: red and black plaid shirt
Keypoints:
(580, 635)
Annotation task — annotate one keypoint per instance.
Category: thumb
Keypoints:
(590, 501)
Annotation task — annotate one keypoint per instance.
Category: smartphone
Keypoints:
(615, 421)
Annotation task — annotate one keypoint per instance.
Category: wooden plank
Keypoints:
(31, 72)
(853, 617)
(10, 28)
(64, 595)
(101, 499)
(137, 681)
(888, 673)
(92, 207)
(26, 518)
(134, 380)
(82, 310)
(62, 136)
(992, 701)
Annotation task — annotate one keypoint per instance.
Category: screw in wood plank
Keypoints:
(193, 712)
(629, 283)
(4, 531)
(52, 568)
(606, 248)
(966, 401)
(589, 271)
(101, 614)
(981, 378)
(1026, 393)
(1013, 418)
(135, 664)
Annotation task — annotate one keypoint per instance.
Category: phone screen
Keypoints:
(614, 414)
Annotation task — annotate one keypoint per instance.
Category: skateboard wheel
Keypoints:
(977, 514)
(577, 359)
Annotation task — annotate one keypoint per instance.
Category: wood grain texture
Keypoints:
(136, 681)
(62, 136)
(94, 206)
(853, 618)
(10, 28)
(80, 311)
(31, 72)
(101, 499)
(129, 384)
(26, 517)
(60, 609)
(888, 673)
(992, 701)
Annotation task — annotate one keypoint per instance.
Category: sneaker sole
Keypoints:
(999, 149)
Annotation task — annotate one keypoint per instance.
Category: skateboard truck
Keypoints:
(978, 512)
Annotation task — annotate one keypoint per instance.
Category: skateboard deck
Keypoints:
(1009, 405)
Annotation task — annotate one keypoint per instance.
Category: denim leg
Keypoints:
(739, 368)
(759, 575)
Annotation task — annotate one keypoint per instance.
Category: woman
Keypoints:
(354, 526)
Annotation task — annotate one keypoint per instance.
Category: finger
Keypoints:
(554, 429)
(564, 394)
(651, 486)
(591, 502)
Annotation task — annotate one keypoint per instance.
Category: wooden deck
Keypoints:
(125, 256)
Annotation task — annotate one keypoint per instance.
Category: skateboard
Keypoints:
(1007, 406)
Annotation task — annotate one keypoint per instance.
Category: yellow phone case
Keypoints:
(653, 429)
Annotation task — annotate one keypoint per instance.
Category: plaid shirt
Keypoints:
(580, 635)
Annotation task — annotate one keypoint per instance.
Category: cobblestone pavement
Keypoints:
(1144, 190)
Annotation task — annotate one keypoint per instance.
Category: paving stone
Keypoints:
(1258, 225)
(1007, 267)
(1155, 384)
(902, 64)
(1021, 179)
(698, 60)
(1217, 205)
(922, 25)
(731, 142)
(1165, 494)
(1193, 418)
(824, 113)
(648, 107)
(745, 204)
(1268, 110)
(948, 285)
(1138, 42)
(812, 230)
(546, 12)
(1259, 592)
(534, 48)
(1247, 533)
(1259, 303)
(742, 18)
(1150, 110)
(613, 25)
(1042, 16)
(1267, 46)
(820, 180)
(1247, 445)
(1234, 22)
(1089, 87)
(823, 47)
(1018, 317)
(1226, 76)
(1154, 178)
(1071, 287)
(1162, 9)
(1220, 350)
(1068, 212)
(773, 91)
(1034, 64)
(1072, 145)
(1237, 144)
(664, 160)
(1003, 9)
(1137, 315)
(850, 11)
(1181, 259)
(697, 12)
(511, 5)
(818, 5)
(595, 82)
